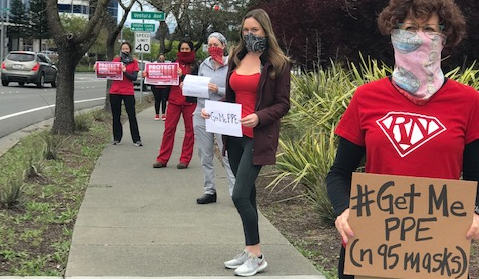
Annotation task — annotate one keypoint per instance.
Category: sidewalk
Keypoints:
(137, 221)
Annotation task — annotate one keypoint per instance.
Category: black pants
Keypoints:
(240, 156)
(341, 266)
(161, 97)
(129, 100)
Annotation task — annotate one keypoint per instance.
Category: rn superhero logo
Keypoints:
(408, 131)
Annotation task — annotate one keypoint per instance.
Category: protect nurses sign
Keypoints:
(409, 227)
(109, 70)
(162, 74)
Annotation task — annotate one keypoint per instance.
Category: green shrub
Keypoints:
(11, 191)
(99, 115)
(318, 100)
(53, 144)
(83, 122)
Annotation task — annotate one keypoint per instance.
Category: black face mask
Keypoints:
(126, 58)
(255, 43)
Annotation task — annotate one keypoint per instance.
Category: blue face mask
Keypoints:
(255, 43)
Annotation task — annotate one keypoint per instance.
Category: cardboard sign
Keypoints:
(409, 227)
(162, 74)
(109, 70)
(224, 118)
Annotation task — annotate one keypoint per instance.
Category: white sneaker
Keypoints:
(237, 261)
(252, 266)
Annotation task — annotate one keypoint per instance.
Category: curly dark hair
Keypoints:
(449, 15)
(188, 42)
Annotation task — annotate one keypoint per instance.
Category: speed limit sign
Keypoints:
(142, 42)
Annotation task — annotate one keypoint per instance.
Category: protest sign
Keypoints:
(162, 74)
(409, 227)
(224, 118)
(109, 70)
(196, 86)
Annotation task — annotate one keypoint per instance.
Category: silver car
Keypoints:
(28, 67)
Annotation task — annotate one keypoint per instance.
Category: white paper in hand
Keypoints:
(196, 86)
(224, 118)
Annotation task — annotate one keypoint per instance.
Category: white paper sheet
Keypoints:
(196, 86)
(224, 118)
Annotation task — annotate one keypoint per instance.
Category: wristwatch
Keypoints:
(476, 209)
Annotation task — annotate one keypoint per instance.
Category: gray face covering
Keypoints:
(255, 43)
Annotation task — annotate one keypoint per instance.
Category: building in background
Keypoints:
(74, 7)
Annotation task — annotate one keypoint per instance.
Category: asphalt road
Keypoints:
(21, 107)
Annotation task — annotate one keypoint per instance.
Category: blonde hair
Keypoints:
(274, 53)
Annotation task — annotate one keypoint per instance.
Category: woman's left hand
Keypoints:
(251, 120)
(473, 232)
(213, 87)
(123, 68)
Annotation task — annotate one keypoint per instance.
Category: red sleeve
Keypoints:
(472, 131)
(349, 127)
(135, 66)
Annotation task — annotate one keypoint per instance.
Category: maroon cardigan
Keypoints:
(272, 103)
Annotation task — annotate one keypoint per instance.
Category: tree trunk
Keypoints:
(64, 122)
(110, 54)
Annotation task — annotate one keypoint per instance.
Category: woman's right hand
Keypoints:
(180, 72)
(204, 114)
(143, 74)
(343, 227)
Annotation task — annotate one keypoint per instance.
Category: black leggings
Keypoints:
(161, 97)
(240, 156)
(129, 100)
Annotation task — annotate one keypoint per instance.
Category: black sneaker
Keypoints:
(206, 198)
(138, 143)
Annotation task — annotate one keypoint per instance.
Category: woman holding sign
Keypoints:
(179, 105)
(258, 79)
(160, 92)
(123, 91)
(216, 68)
(384, 120)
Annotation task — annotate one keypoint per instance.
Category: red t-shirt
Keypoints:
(402, 138)
(245, 87)
(124, 86)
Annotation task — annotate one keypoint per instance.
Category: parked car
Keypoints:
(28, 67)
(140, 78)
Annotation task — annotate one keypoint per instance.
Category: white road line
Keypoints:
(45, 107)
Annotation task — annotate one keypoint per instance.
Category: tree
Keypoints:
(38, 20)
(19, 19)
(314, 31)
(71, 48)
(114, 30)
(196, 19)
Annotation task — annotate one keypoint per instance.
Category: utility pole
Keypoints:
(3, 9)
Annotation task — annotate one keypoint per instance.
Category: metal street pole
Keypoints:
(2, 42)
(142, 80)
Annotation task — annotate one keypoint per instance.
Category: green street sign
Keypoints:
(148, 15)
(147, 27)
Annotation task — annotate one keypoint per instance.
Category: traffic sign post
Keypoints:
(142, 45)
(148, 15)
(142, 42)
(146, 27)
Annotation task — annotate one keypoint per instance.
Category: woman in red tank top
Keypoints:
(258, 79)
